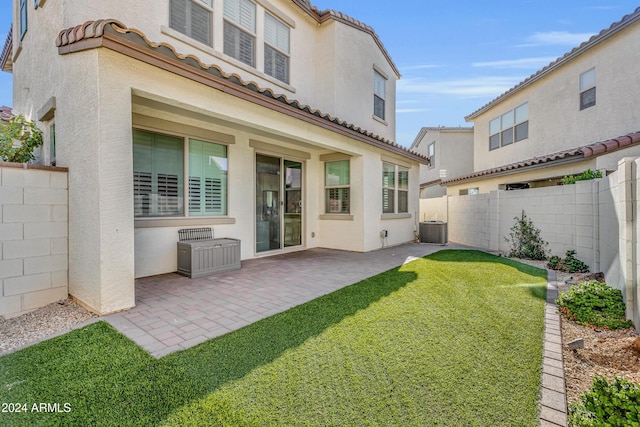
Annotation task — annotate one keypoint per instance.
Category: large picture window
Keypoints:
(159, 176)
(395, 188)
(337, 187)
(510, 127)
(240, 30)
(192, 18)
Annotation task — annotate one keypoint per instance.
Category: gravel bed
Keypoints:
(46, 321)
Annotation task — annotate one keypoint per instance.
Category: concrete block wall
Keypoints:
(33, 237)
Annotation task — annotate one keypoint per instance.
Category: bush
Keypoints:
(525, 240)
(570, 263)
(594, 303)
(607, 404)
(584, 176)
(18, 139)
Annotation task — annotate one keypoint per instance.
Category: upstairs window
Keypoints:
(588, 89)
(192, 18)
(395, 188)
(23, 18)
(276, 48)
(240, 30)
(510, 127)
(431, 152)
(379, 90)
(337, 187)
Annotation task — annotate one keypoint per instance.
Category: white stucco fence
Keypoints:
(598, 219)
(33, 237)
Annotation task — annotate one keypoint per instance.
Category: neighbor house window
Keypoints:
(159, 176)
(192, 18)
(52, 144)
(337, 187)
(431, 152)
(510, 127)
(588, 89)
(395, 188)
(379, 84)
(240, 30)
(23, 18)
(276, 48)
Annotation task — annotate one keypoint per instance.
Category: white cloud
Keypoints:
(557, 38)
(471, 87)
(522, 63)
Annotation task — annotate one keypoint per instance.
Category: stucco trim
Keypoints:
(389, 216)
(181, 221)
(48, 110)
(334, 157)
(116, 36)
(335, 217)
(154, 124)
(603, 35)
(32, 166)
(276, 149)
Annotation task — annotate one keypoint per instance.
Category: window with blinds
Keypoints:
(276, 48)
(239, 30)
(192, 18)
(158, 176)
(337, 187)
(395, 188)
(379, 84)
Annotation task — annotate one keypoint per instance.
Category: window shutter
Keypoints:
(213, 195)
(246, 48)
(200, 24)
(178, 15)
(195, 195)
(247, 15)
(276, 33)
(276, 64)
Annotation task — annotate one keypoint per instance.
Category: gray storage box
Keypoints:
(198, 258)
(434, 232)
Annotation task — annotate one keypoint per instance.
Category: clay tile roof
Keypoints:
(579, 153)
(6, 63)
(88, 35)
(324, 15)
(5, 114)
(603, 35)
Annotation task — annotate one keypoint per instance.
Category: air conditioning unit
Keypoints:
(434, 232)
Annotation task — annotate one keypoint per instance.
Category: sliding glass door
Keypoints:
(278, 203)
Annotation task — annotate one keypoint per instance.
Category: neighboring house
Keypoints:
(270, 121)
(450, 152)
(5, 114)
(579, 112)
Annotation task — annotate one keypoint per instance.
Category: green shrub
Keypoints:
(584, 176)
(18, 139)
(607, 404)
(594, 304)
(570, 263)
(525, 240)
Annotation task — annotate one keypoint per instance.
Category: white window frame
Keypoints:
(504, 128)
(206, 5)
(431, 152)
(587, 86)
(396, 188)
(280, 45)
(379, 94)
(184, 203)
(328, 187)
(241, 28)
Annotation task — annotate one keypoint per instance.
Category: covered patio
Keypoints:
(173, 312)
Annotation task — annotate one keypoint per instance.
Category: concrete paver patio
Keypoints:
(174, 312)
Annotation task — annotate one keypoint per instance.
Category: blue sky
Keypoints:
(455, 56)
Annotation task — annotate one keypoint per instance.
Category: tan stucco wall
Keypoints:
(555, 120)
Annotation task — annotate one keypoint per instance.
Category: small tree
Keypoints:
(525, 240)
(18, 139)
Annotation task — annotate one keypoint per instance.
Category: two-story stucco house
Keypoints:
(579, 112)
(450, 152)
(268, 120)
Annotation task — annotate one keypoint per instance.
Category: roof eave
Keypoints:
(6, 62)
(603, 35)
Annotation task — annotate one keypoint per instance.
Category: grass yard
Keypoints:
(452, 339)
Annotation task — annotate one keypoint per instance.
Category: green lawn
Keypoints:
(453, 339)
